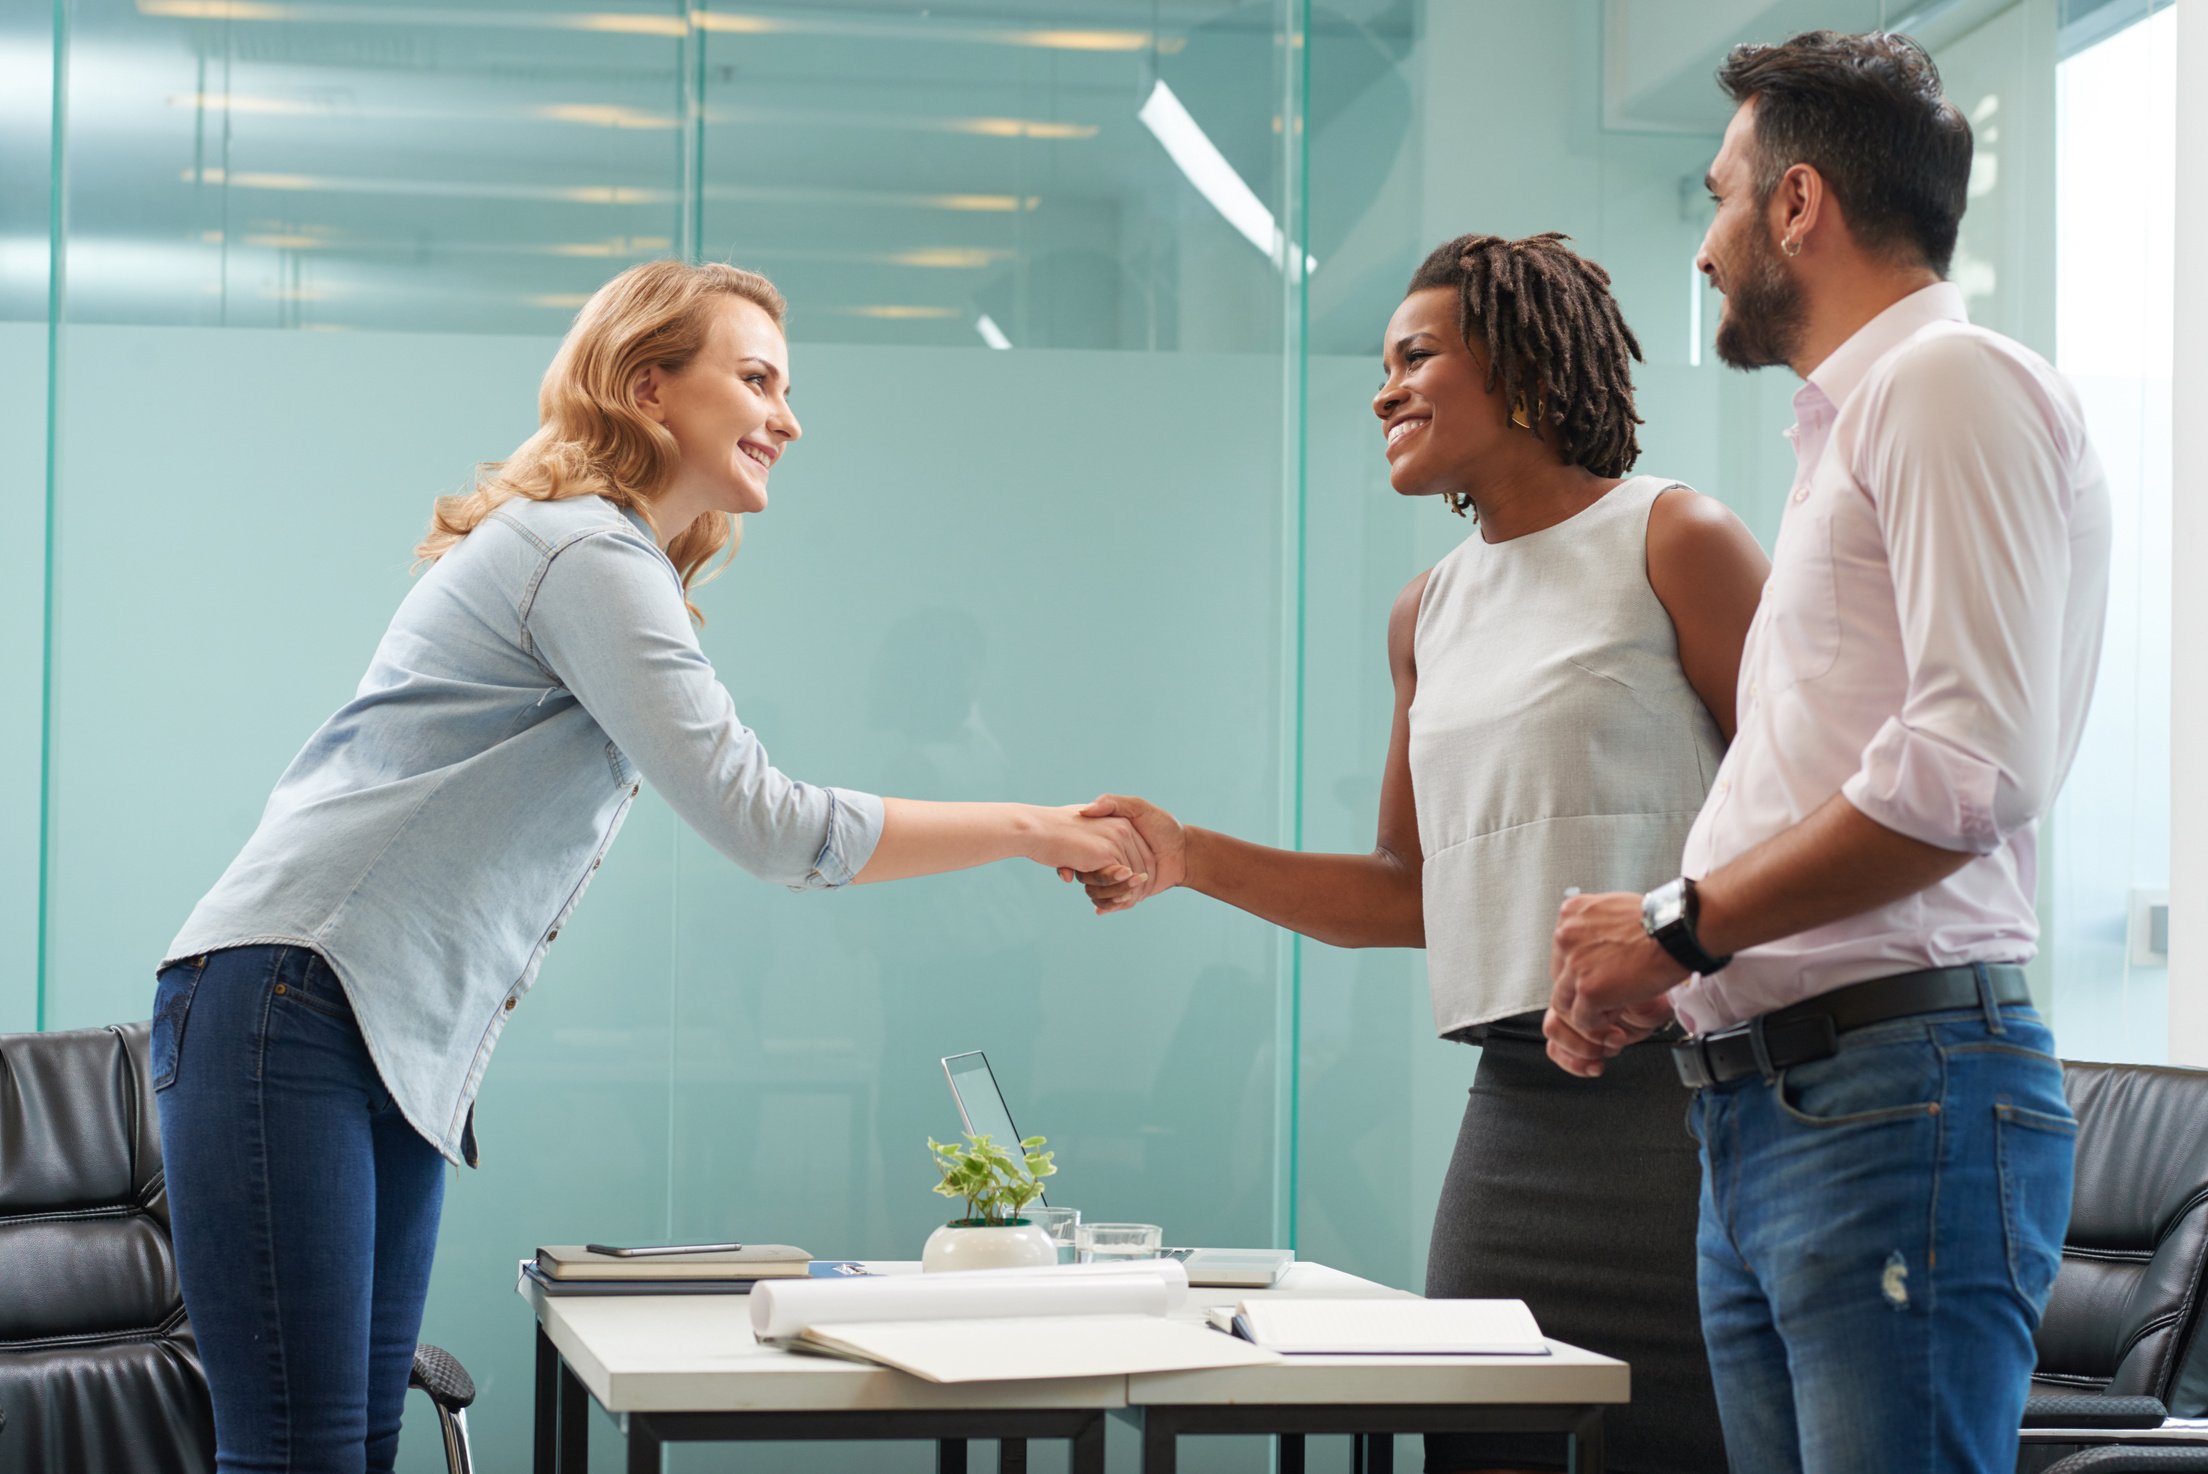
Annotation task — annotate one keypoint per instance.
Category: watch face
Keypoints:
(1664, 906)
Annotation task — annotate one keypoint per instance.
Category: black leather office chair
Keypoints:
(2125, 1340)
(98, 1368)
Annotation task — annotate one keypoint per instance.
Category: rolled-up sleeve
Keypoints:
(607, 620)
(1973, 503)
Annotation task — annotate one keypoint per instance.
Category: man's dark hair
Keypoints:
(1553, 338)
(1867, 113)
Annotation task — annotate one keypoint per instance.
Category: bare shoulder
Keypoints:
(1692, 535)
(1681, 513)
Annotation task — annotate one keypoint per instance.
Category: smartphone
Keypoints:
(646, 1251)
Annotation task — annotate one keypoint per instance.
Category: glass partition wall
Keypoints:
(1086, 301)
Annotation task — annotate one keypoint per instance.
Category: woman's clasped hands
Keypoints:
(1094, 845)
(1164, 844)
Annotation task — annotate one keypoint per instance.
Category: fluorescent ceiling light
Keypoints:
(1200, 160)
(897, 312)
(945, 258)
(990, 332)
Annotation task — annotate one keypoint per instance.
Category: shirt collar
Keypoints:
(643, 525)
(1845, 368)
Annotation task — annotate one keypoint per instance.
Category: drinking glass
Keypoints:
(1064, 1227)
(1113, 1243)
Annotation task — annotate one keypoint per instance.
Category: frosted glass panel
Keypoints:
(319, 259)
(954, 596)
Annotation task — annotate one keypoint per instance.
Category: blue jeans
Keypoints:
(304, 1210)
(1879, 1233)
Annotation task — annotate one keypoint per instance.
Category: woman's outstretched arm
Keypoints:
(924, 838)
(607, 621)
(1370, 900)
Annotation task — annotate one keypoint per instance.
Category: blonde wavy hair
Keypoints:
(591, 438)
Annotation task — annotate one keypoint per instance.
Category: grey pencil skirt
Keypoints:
(1579, 1197)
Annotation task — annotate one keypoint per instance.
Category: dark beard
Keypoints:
(1762, 326)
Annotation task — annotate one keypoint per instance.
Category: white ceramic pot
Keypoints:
(1020, 1245)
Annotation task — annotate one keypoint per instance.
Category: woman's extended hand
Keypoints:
(1160, 831)
(1074, 841)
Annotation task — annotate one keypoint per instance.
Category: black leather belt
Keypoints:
(1811, 1030)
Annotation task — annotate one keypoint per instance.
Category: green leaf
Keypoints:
(996, 1183)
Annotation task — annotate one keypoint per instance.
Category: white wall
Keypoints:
(2189, 607)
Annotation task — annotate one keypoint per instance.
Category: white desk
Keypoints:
(683, 1368)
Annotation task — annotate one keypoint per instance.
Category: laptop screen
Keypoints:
(980, 1103)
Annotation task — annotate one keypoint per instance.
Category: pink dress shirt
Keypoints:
(1926, 645)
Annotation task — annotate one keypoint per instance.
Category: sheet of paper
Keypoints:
(1031, 1348)
(1395, 1327)
(782, 1309)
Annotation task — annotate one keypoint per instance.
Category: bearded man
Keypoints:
(1886, 1148)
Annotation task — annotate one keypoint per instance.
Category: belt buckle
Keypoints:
(1691, 1058)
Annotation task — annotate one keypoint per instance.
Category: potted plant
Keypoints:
(995, 1185)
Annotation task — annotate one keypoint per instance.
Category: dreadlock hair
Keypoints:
(1553, 338)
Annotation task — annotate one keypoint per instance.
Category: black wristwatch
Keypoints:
(1668, 913)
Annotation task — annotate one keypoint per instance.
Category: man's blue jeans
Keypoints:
(1879, 1233)
(304, 1211)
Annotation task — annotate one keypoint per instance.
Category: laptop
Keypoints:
(981, 1106)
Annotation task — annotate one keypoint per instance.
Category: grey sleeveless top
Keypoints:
(1555, 742)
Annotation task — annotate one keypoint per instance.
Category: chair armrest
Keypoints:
(2136, 1458)
(438, 1373)
(2086, 1411)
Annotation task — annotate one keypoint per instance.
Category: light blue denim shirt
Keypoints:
(432, 838)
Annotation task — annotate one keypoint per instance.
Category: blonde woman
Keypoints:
(323, 1021)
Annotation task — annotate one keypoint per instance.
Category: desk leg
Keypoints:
(574, 1421)
(1374, 1453)
(950, 1456)
(1291, 1453)
(1087, 1456)
(1160, 1451)
(548, 1401)
(644, 1447)
(1586, 1444)
(1012, 1456)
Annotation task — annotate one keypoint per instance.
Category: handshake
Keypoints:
(1121, 849)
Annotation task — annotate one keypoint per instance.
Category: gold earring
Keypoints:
(1791, 246)
(1519, 417)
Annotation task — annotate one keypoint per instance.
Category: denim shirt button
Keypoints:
(510, 1004)
(555, 936)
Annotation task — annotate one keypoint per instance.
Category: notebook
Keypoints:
(751, 1262)
(819, 1269)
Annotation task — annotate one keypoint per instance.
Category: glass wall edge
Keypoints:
(1295, 21)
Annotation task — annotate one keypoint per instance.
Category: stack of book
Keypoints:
(571, 1269)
